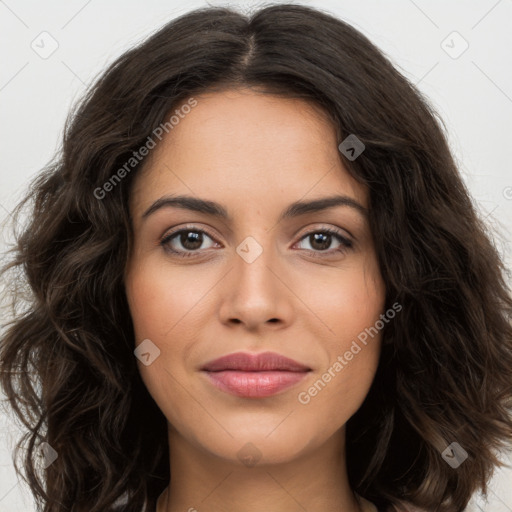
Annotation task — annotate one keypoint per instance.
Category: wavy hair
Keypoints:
(67, 365)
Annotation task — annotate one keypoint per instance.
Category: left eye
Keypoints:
(322, 238)
(191, 241)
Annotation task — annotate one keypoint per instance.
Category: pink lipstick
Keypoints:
(254, 375)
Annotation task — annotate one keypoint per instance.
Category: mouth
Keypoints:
(254, 376)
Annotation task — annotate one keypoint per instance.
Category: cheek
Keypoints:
(157, 307)
(363, 304)
(351, 308)
(158, 313)
(347, 303)
(166, 305)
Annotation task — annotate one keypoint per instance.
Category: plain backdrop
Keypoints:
(457, 52)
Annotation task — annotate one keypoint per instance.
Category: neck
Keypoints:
(203, 482)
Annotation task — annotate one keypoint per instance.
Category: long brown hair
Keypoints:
(67, 363)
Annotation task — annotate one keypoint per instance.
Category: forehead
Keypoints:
(249, 147)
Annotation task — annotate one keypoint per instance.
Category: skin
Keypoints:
(255, 154)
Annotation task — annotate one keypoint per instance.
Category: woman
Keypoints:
(258, 283)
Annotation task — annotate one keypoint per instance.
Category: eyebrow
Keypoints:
(217, 210)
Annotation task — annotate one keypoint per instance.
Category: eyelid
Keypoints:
(344, 233)
(192, 227)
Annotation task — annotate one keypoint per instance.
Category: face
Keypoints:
(304, 285)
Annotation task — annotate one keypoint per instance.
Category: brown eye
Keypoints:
(185, 242)
(322, 240)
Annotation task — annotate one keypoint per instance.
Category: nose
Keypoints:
(255, 293)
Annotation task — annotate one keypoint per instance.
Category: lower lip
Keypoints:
(254, 384)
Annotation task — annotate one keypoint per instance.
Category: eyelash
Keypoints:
(344, 247)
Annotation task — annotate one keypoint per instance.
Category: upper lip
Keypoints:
(243, 361)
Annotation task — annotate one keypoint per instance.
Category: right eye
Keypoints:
(185, 242)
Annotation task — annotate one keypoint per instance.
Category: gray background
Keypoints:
(471, 90)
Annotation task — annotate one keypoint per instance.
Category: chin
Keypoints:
(262, 444)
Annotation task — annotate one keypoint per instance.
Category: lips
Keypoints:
(254, 376)
(267, 361)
